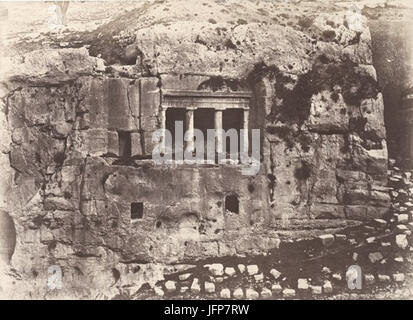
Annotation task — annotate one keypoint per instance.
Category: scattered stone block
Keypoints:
(380, 222)
(399, 277)
(252, 269)
(371, 239)
(369, 278)
(399, 259)
(352, 241)
(230, 271)
(266, 293)
(401, 241)
(183, 289)
(316, 290)
(209, 287)
(341, 237)
(327, 239)
(383, 278)
(355, 256)
(275, 273)
(238, 293)
(170, 286)
(195, 287)
(327, 287)
(217, 269)
(183, 267)
(259, 277)
(241, 268)
(337, 277)
(402, 218)
(219, 279)
(251, 294)
(276, 289)
(288, 293)
(184, 276)
(326, 270)
(375, 257)
(159, 292)
(302, 284)
(225, 293)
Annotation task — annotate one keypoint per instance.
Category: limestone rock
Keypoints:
(170, 286)
(401, 218)
(159, 291)
(252, 269)
(259, 277)
(266, 293)
(375, 257)
(401, 241)
(288, 293)
(327, 287)
(302, 285)
(241, 268)
(276, 289)
(238, 293)
(327, 239)
(383, 278)
(225, 293)
(316, 290)
(195, 287)
(216, 269)
(251, 294)
(184, 276)
(369, 279)
(230, 271)
(399, 277)
(275, 273)
(53, 66)
(209, 287)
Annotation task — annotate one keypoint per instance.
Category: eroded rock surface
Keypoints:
(109, 217)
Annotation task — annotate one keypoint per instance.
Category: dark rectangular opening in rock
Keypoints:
(136, 210)
(232, 119)
(125, 145)
(204, 120)
(232, 204)
(173, 115)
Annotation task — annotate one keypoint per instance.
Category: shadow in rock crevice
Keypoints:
(7, 237)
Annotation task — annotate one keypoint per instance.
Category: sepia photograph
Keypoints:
(187, 151)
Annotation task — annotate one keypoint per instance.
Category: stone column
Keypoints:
(245, 132)
(163, 127)
(189, 145)
(218, 131)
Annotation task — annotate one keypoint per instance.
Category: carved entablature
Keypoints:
(202, 110)
(202, 99)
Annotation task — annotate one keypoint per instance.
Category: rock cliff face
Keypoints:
(77, 202)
